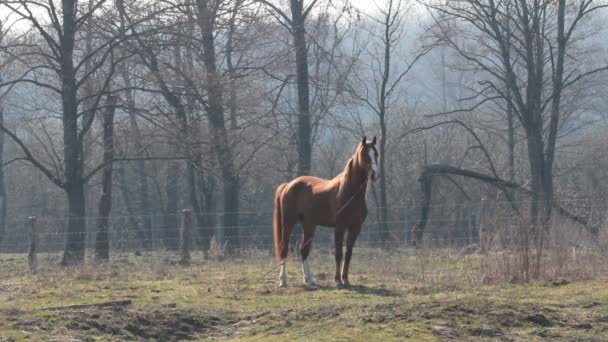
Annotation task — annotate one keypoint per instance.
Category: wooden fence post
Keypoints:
(185, 236)
(31, 254)
(483, 229)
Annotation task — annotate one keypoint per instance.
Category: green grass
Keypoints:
(391, 299)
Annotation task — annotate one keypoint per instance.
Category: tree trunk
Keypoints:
(232, 101)
(102, 238)
(537, 207)
(88, 116)
(444, 83)
(196, 176)
(206, 207)
(555, 110)
(208, 185)
(510, 113)
(304, 122)
(75, 232)
(384, 227)
(511, 137)
(382, 114)
(219, 135)
(191, 132)
(194, 201)
(171, 221)
(143, 193)
(73, 147)
(3, 201)
(125, 192)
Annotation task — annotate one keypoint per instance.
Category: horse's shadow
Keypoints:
(359, 289)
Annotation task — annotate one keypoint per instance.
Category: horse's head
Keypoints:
(367, 158)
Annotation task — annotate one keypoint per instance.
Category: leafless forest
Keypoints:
(117, 115)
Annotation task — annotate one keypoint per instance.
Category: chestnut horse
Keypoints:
(338, 203)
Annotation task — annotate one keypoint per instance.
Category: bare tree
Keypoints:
(143, 194)
(206, 19)
(102, 237)
(62, 69)
(386, 35)
(525, 51)
(232, 74)
(296, 24)
(3, 199)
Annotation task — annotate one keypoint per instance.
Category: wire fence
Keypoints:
(491, 231)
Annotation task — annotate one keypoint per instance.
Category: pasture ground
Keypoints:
(238, 299)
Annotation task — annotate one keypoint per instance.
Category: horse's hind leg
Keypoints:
(287, 228)
(308, 232)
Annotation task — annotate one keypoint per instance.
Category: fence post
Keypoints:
(31, 254)
(185, 236)
(482, 227)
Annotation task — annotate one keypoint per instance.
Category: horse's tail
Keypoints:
(277, 224)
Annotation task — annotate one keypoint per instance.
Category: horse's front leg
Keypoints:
(338, 241)
(353, 233)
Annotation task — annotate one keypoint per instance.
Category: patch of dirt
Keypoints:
(12, 312)
(162, 323)
(444, 319)
(558, 282)
(8, 287)
(548, 334)
(317, 314)
(432, 289)
(485, 331)
(380, 291)
(506, 318)
(539, 319)
(459, 309)
(445, 332)
(31, 324)
(589, 305)
(383, 313)
(584, 326)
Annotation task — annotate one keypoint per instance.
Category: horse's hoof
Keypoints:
(339, 285)
(310, 282)
(345, 285)
(282, 285)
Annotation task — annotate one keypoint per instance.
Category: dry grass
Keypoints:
(424, 295)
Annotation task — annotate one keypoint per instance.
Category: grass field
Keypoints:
(238, 299)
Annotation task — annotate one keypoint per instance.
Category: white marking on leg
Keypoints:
(307, 274)
(282, 275)
(344, 281)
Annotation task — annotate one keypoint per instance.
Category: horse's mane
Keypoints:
(346, 175)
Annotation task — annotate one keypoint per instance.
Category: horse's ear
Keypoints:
(374, 141)
(364, 140)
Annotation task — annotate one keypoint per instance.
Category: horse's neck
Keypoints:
(352, 183)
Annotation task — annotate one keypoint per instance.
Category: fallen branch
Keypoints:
(426, 182)
(86, 306)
